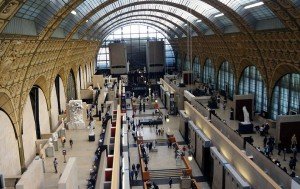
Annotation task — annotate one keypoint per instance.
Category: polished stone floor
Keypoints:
(82, 149)
(164, 159)
(258, 140)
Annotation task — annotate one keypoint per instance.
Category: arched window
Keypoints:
(187, 63)
(286, 96)
(209, 72)
(226, 79)
(179, 64)
(71, 88)
(135, 37)
(252, 83)
(196, 69)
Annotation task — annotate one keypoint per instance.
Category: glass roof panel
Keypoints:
(142, 27)
(40, 11)
(141, 18)
(296, 3)
(163, 15)
(151, 23)
(201, 7)
(251, 15)
(162, 8)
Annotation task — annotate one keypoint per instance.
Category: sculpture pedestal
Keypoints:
(55, 144)
(91, 138)
(61, 132)
(50, 151)
(245, 128)
(185, 182)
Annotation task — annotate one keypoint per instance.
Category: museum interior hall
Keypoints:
(149, 94)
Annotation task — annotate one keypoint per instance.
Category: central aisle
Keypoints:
(162, 164)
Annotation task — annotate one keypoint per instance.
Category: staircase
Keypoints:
(159, 141)
(162, 140)
(165, 173)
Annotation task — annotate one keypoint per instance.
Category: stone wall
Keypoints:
(9, 154)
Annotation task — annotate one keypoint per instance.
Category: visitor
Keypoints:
(279, 147)
(136, 174)
(266, 128)
(170, 182)
(251, 140)
(261, 130)
(292, 163)
(63, 141)
(294, 150)
(131, 174)
(71, 143)
(293, 174)
(138, 166)
(284, 169)
(224, 105)
(55, 163)
(265, 141)
(267, 151)
(183, 150)
(133, 167)
(293, 141)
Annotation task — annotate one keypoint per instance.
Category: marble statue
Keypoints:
(63, 123)
(246, 115)
(50, 142)
(76, 115)
(55, 136)
(92, 128)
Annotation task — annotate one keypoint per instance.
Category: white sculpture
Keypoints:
(50, 142)
(92, 128)
(246, 115)
(55, 136)
(76, 115)
(63, 123)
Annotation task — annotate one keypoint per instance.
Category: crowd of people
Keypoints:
(269, 144)
(101, 147)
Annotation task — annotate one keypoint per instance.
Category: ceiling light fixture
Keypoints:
(199, 21)
(87, 21)
(254, 5)
(218, 15)
(73, 12)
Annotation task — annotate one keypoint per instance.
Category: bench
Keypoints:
(188, 169)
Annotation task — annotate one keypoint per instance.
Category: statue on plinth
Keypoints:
(246, 115)
(50, 142)
(92, 128)
(76, 115)
(55, 136)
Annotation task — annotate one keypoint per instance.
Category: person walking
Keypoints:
(136, 174)
(63, 141)
(55, 163)
(71, 143)
(279, 146)
(170, 182)
(293, 141)
(138, 166)
(131, 175)
(133, 167)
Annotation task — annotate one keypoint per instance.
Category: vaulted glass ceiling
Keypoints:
(91, 17)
